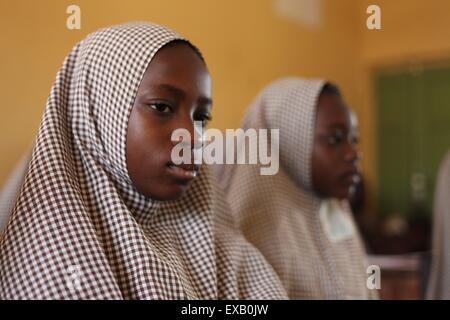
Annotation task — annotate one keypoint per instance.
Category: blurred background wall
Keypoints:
(246, 45)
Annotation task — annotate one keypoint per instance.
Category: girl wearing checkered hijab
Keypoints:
(439, 283)
(299, 218)
(103, 213)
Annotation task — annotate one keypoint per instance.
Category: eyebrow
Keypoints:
(174, 90)
(338, 125)
(180, 93)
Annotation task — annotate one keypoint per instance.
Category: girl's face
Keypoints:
(334, 156)
(175, 91)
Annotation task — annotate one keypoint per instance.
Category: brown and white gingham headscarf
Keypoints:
(439, 279)
(79, 229)
(279, 214)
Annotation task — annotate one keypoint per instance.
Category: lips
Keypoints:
(183, 171)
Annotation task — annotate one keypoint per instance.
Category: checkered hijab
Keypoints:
(279, 214)
(10, 191)
(80, 230)
(439, 283)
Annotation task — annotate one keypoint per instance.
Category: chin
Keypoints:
(340, 194)
(346, 195)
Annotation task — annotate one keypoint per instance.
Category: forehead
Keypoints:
(331, 111)
(178, 65)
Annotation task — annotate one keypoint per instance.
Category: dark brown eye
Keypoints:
(160, 107)
(204, 118)
(336, 139)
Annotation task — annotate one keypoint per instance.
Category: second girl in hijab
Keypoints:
(300, 217)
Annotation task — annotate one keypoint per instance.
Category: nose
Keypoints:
(195, 129)
(194, 132)
(352, 154)
(191, 138)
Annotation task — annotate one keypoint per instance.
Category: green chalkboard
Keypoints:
(413, 110)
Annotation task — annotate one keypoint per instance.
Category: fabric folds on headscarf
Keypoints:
(80, 230)
(281, 215)
(439, 279)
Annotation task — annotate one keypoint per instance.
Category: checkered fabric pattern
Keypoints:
(439, 279)
(80, 230)
(279, 214)
(10, 191)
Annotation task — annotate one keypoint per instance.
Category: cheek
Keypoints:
(322, 160)
(324, 170)
(145, 146)
(147, 149)
(147, 156)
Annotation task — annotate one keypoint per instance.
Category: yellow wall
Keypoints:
(244, 42)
